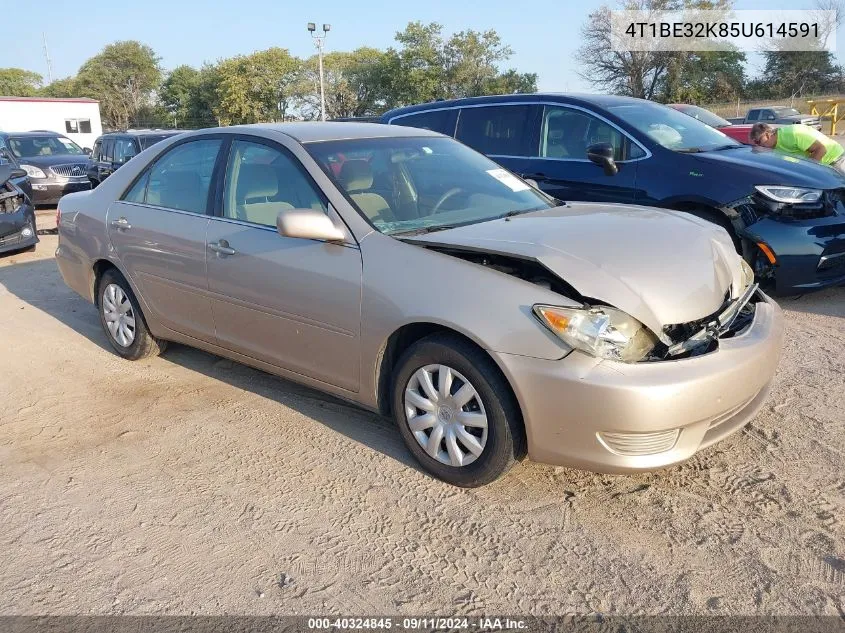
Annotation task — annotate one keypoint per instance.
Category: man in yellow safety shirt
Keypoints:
(800, 140)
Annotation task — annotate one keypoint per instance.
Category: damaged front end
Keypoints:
(604, 331)
(17, 216)
(794, 238)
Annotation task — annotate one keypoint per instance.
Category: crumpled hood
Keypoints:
(661, 267)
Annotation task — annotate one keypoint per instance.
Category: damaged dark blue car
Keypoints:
(785, 214)
(17, 215)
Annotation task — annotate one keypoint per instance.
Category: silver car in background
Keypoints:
(401, 270)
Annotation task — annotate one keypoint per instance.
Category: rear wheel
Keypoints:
(456, 412)
(122, 321)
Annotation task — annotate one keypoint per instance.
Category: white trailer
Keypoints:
(78, 119)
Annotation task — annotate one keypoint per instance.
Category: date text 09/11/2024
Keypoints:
(415, 624)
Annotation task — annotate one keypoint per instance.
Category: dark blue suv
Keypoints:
(786, 214)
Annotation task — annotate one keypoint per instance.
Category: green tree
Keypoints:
(179, 91)
(471, 62)
(511, 82)
(123, 77)
(17, 82)
(60, 88)
(257, 88)
(799, 73)
(352, 81)
(704, 77)
(417, 69)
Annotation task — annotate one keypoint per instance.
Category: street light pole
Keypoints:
(318, 42)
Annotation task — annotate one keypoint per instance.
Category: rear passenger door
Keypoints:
(505, 133)
(293, 303)
(157, 230)
(561, 167)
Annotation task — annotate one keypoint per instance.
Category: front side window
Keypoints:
(672, 129)
(262, 181)
(32, 146)
(567, 133)
(180, 179)
(413, 184)
(442, 121)
(753, 115)
(95, 153)
(497, 130)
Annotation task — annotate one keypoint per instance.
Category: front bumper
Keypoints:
(577, 409)
(50, 191)
(18, 229)
(810, 254)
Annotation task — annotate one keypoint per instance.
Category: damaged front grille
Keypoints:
(11, 199)
(702, 336)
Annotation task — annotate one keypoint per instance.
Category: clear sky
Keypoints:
(543, 33)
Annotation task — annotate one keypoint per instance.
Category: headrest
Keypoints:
(356, 175)
(257, 181)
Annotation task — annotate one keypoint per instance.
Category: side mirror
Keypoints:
(602, 155)
(308, 224)
(17, 172)
(86, 151)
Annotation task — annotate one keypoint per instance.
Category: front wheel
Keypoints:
(122, 321)
(456, 412)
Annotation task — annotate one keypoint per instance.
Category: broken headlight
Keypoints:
(747, 274)
(602, 332)
(789, 195)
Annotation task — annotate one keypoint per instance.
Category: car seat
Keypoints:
(356, 177)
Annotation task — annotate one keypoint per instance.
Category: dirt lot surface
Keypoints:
(191, 484)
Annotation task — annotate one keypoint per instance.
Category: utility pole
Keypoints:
(47, 57)
(318, 42)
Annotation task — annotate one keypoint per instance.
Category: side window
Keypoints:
(107, 150)
(124, 149)
(261, 181)
(139, 190)
(442, 121)
(567, 133)
(95, 153)
(753, 115)
(71, 126)
(767, 115)
(85, 126)
(498, 130)
(181, 178)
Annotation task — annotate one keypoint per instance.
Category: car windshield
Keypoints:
(672, 129)
(705, 116)
(787, 112)
(32, 146)
(152, 139)
(405, 185)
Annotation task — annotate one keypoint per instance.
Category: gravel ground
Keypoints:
(191, 484)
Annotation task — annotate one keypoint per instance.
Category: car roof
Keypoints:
(144, 132)
(40, 133)
(604, 101)
(312, 132)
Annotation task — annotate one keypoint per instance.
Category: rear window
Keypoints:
(498, 130)
(442, 121)
(152, 139)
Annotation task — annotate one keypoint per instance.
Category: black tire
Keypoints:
(505, 442)
(143, 344)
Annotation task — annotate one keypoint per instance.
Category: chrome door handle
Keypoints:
(222, 248)
(122, 224)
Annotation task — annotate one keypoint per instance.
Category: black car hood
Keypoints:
(54, 159)
(767, 167)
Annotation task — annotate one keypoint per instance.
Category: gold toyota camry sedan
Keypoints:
(400, 270)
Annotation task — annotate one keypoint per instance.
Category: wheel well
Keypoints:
(100, 268)
(713, 215)
(400, 341)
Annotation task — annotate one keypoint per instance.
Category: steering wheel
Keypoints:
(449, 194)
